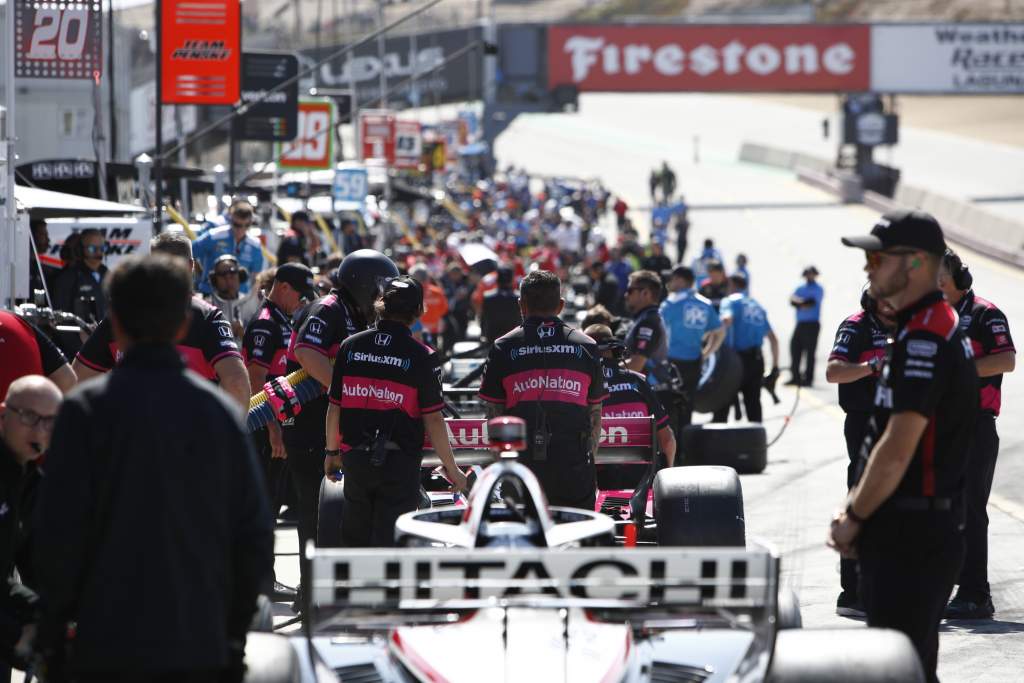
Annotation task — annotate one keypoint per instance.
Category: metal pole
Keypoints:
(380, 56)
(186, 201)
(354, 108)
(10, 208)
(232, 160)
(158, 157)
(110, 82)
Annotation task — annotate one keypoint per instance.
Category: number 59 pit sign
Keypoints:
(58, 39)
(313, 146)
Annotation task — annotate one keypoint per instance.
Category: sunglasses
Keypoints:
(875, 258)
(225, 273)
(30, 418)
(93, 249)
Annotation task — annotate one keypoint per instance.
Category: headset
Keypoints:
(243, 274)
(867, 302)
(616, 346)
(962, 278)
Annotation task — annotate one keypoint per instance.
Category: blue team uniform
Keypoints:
(216, 242)
(749, 322)
(688, 316)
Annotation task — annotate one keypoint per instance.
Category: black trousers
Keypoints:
(183, 676)
(750, 388)
(802, 346)
(908, 563)
(306, 465)
(854, 429)
(980, 469)
(689, 370)
(566, 481)
(375, 497)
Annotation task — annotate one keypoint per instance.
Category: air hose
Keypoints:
(261, 409)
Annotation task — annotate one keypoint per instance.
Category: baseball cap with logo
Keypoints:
(403, 295)
(299, 276)
(909, 229)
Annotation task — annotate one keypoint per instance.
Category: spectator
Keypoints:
(435, 303)
(300, 243)
(230, 239)
(458, 289)
(619, 268)
(48, 277)
(605, 288)
(656, 260)
(79, 288)
(741, 269)
(804, 342)
(708, 254)
(500, 313)
(715, 287)
(351, 240)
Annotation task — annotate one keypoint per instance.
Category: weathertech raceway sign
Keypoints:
(710, 58)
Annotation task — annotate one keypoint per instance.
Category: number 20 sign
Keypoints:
(313, 146)
(58, 39)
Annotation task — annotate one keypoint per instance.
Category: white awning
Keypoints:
(49, 204)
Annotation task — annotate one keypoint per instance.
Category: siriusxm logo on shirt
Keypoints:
(566, 349)
(621, 386)
(379, 359)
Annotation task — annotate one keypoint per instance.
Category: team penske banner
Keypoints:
(710, 58)
(201, 51)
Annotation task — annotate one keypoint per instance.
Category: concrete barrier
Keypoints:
(964, 223)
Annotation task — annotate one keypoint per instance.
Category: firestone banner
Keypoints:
(710, 58)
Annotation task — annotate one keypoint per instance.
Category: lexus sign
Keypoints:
(710, 58)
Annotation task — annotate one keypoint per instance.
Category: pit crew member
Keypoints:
(629, 394)
(230, 239)
(208, 346)
(550, 375)
(385, 392)
(854, 364)
(26, 350)
(903, 516)
(694, 333)
(989, 333)
(747, 326)
(319, 331)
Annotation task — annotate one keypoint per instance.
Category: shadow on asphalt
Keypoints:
(982, 627)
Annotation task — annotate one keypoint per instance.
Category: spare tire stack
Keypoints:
(743, 447)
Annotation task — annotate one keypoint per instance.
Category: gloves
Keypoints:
(769, 383)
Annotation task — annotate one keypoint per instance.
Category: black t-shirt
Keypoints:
(629, 395)
(499, 314)
(714, 292)
(859, 338)
(266, 339)
(647, 336)
(208, 341)
(387, 380)
(929, 369)
(322, 326)
(545, 370)
(989, 332)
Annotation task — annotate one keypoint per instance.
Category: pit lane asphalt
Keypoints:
(782, 226)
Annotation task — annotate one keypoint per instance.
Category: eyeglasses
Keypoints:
(30, 418)
(875, 258)
(225, 273)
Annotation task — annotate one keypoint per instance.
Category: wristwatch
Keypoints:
(332, 452)
(853, 515)
(876, 364)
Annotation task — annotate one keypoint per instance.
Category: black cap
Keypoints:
(810, 270)
(403, 296)
(299, 276)
(913, 229)
(506, 276)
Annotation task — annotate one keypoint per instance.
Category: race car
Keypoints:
(508, 589)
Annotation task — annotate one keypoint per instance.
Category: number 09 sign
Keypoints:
(58, 39)
(313, 146)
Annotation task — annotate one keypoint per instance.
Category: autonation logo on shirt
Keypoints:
(557, 383)
(370, 391)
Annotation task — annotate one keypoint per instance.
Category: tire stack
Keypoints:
(743, 447)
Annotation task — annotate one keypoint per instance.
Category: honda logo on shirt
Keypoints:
(382, 339)
(546, 331)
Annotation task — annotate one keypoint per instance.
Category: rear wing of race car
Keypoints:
(623, 439)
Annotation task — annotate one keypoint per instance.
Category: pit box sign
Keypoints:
(377, 135)
(312, 149)
(351, 184)
(123, 237)
(408, 144)
(201, 48)
(58, 39)
(275, 117)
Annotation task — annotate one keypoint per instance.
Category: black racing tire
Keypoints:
(865, 655)
(789, 610)
(270, 658)
(330, 510)
(743, 447)
(720, 379)
(699, 506)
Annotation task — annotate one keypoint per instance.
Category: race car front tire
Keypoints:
(741, 447)
(699, 506)
(330, 509)
(864, 655)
